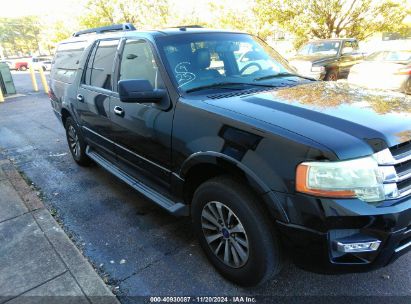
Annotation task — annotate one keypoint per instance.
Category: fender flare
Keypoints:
(225, 161)
(220, 159)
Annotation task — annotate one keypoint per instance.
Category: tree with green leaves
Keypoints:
(241, 19)
(142, 13)
(20, 35)
(333, 18)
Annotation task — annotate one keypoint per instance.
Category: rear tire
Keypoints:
(76, 143)
(234, 232)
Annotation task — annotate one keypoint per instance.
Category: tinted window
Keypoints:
(355, 46)
(348, 47)
(87, 75)
(320, 48)
(137, 62)
(66, 61)
(103, 64)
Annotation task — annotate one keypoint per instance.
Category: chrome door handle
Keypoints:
(118, 111)
(80, 97)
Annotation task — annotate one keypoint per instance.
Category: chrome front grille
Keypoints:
(395, 163)
(401, 150)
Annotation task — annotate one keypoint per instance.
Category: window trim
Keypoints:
(116, 76)
(55, 68)
(95, 45)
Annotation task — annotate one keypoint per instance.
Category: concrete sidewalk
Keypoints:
(38, 262)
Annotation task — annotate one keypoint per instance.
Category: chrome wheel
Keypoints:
(73, 140)
(225, 234)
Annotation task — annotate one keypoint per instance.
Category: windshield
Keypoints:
(320, 48)
(390, 56)
(220, 59)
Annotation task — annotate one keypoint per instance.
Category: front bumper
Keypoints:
(314, 75)
(315, 225)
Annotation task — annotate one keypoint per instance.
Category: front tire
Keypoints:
(236, 236)
(407, 87)
(331, 75)
(76, 143)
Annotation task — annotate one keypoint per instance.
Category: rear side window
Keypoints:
(101, 69)
(66, 61)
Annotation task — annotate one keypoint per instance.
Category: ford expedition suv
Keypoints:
(266, 162)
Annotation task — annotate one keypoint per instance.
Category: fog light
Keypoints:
(357, 247)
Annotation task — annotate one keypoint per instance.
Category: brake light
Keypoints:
(404, 71)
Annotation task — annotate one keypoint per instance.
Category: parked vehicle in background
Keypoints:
(20, 65)
(41, 63)
(266, 162)
(390, 70)
(47, 65)
(327, 59)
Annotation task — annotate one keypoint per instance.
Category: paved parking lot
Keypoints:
(139, 248)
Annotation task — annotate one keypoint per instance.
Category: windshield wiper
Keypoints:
(279, 75)
(224, 84)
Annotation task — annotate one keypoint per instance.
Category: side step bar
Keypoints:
(178, 209)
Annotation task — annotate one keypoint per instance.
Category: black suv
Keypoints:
(264, 160)
(327, 59)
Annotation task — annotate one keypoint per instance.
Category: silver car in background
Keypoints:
(387, 70)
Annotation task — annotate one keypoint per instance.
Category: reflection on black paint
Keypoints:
(99, 102)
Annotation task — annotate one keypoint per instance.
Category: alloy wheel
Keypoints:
(73, 141)
(225, 234)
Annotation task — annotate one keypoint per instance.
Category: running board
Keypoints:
(178, 209)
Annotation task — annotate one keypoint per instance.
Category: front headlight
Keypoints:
(317, 69)
(359, 178)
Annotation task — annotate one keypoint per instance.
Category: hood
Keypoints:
(349, 120)
(314, 59)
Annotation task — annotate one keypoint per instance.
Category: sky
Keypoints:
(18, 8)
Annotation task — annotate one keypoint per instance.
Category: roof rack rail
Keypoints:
(187, 26)
(104, 29)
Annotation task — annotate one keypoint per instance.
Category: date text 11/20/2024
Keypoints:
(207, 299)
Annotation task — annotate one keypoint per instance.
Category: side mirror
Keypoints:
(347, 50)
(140, 91)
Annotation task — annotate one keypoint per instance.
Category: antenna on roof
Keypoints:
(184, 27)
(105, 29)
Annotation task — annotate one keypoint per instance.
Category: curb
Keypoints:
(77, 265)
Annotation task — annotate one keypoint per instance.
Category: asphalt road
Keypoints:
(138, 247)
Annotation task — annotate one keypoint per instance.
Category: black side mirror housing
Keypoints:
(140, 91)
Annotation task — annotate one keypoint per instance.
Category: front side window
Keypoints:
(102, 64)
(348, 47)
(137, 62)
(198, 60)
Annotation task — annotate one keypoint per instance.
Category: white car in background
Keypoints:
(389, 70)
(43, 63)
